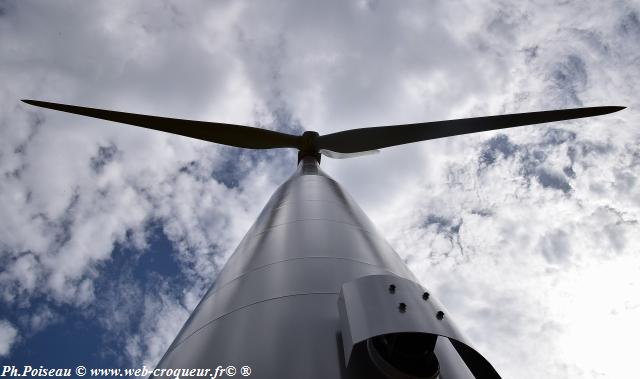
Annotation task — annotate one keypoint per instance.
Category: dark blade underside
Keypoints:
(343, 144)
(356, 140)
(226, 134)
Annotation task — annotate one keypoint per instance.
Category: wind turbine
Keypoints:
(313, 290)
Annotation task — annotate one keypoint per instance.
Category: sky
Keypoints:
(111, 234)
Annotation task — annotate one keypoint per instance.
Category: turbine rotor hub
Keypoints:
(309, 146)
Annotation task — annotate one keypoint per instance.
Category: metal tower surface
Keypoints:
(275, 305)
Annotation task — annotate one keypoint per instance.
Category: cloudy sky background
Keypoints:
(109, 234)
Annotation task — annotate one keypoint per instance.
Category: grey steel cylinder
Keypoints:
(307, 291)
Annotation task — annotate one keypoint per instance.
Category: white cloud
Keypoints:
(42, 318)
(8, 336)
(161, 321)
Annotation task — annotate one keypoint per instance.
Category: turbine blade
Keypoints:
(357, 140)
(334, 155)
(227, 134)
